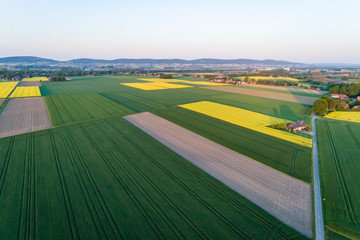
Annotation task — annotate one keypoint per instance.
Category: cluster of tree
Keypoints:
(66, 71)
(268, 73)
(351, 90)
(166, 76)
(271, 82)
(325, 104)
(57, 79)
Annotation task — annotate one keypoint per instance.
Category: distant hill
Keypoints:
(26, 60)
(90, 61)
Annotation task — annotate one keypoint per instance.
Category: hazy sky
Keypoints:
(304, 31)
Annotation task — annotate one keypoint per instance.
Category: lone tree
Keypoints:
(320, 107)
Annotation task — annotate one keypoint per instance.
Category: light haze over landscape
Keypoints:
(185, 119)
(301, 31)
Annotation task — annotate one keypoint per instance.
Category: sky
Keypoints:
(309, 31)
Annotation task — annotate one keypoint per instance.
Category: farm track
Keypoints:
(266, 94)
(182, 142)
(340, 176)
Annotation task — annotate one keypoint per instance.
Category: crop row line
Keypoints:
(84, 189)
(149, 199)
(25, 207)
(64, 189)
(96, 189)
(5, 167)
(124, 185)
(293, 161)
(353, 136)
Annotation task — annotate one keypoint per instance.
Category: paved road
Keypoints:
(319, 222)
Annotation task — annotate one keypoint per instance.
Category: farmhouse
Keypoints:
(339, 96)
(356, 107)
(358, 98)
(296, 126)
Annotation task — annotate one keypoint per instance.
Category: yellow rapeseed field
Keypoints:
(26, 92)
(271, 78)
(143, 86)
(154, 86)
(205, 83)
(160, 80)
(345, 116)
(248, 119)
(170, 85)
(35, 79)
(6, 88)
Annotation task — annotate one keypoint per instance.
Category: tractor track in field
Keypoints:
(104, 207)
(125, 186)
(65, 193)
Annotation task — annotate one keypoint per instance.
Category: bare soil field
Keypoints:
(266, 94)
(30, 84)
(291, 89)
(24, 115)
(284, 197)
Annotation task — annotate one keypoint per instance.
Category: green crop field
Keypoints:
(67, 109)
(284, 156)
(109, 180)
(339, 155)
